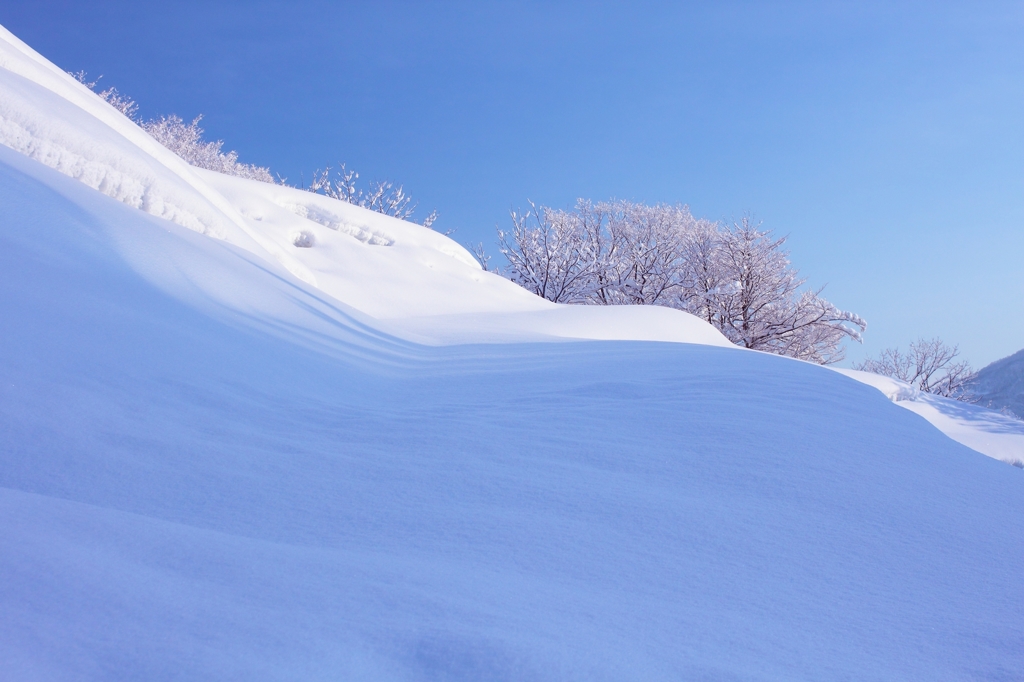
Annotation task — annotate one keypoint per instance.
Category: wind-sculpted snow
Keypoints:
(211, 470)
(47, 115)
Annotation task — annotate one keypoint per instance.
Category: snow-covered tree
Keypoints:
(554, 254)
(704, 279)
(765, 307)
(737, 278)
(641, 259)
(929, 365)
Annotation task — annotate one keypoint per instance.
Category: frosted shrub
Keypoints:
(187, 142)
(126, 105)
(382, 197)
(929, 365)
(184, 140)
(738, 278)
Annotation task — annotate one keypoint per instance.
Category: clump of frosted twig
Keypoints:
(383, 196)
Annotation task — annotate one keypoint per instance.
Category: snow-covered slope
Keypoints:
(421, 285)
(979, 428)
(221, 462)
(381, 266)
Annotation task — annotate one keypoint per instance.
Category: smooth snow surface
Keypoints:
(981, 429)
(225, 458)
(984, 430)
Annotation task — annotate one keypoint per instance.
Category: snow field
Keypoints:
(239, 458)
(192, 492)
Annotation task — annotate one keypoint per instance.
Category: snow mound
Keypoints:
(213, 468)
(48, 116)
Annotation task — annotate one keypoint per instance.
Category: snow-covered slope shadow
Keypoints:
(211, 471)
(982, 429)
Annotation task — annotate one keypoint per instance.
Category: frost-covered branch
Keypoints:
(481, 256)
(383, 196)
(187, 142)
(929, 365)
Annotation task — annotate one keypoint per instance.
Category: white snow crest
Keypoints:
(893, 389)
(125, 186)
(33, 122)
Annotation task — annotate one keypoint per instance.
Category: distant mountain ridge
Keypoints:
(1000, 385)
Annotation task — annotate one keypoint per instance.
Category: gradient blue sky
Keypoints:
(884, 138)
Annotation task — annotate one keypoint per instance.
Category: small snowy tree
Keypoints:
(552, 253)
(929, 365)
(765, 308)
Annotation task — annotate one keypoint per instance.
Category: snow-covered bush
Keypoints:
(929, 365)
(382, 197)
(184, 140)
(126, 105)
(737, 277)
(187, 142)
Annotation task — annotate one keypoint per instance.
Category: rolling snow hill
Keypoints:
(250, 433)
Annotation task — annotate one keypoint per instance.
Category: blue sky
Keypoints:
(884, 138)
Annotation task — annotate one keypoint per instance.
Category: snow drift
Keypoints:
(230, 455)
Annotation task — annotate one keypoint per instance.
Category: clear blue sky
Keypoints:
(884, 138)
